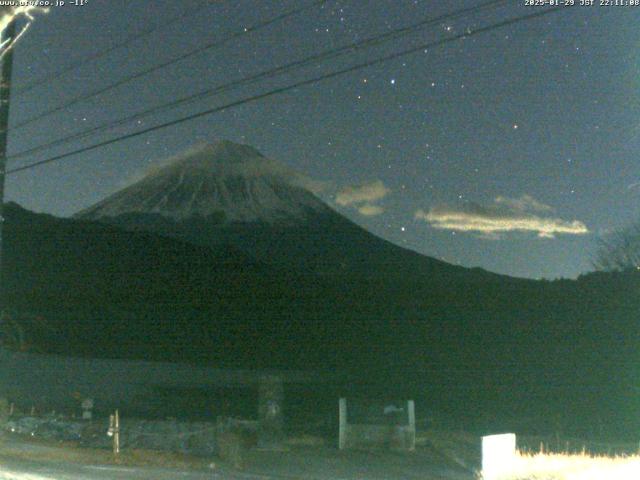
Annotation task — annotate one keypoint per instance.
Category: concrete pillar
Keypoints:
(342, 433)
(411, 412)
(270, 400)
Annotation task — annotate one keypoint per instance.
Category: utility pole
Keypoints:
(5, 97)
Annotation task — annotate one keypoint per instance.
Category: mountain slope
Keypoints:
(229, 194)
(107, 292)
(231, 182)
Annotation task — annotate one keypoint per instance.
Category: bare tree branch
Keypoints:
(619, 250)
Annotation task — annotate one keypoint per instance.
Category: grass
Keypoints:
(562, 466)
(464, 449)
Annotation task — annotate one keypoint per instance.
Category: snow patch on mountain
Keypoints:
(224, 177)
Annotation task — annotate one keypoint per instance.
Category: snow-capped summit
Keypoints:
(230, 181)
(227, 195)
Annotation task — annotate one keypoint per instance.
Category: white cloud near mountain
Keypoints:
(523, 204)
(363, 197)
(504, 214)
(369, 210)
(363, 193)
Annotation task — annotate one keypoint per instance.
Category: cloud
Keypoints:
(523, 214)
(369, 210)
(523, 204)
(363, 193)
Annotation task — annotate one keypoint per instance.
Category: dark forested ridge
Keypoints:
(473, 344)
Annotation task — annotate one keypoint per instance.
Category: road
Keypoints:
(31, 470)
(26, 461)
(15, 469)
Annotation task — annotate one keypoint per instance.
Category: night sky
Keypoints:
(512, 150)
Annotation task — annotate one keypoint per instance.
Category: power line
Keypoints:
(191, 53)
(321, 57)
(287, 88)
(103, 53)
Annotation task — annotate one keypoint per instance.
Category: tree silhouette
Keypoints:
(619, 251)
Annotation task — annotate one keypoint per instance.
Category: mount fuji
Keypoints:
(224, 181)
(227, 194)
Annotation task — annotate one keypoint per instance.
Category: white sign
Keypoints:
(498, 455)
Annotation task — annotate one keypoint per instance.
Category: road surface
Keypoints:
(307, 464)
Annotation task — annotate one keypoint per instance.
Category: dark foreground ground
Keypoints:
(22, 459)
